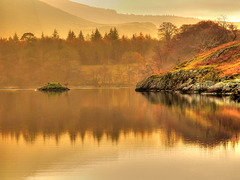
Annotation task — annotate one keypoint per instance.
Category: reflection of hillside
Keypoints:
(198, 119)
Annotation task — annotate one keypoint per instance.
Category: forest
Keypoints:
(105, 59)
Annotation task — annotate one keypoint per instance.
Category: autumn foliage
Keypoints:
(225, 59)
(191, 40)
(108, 59)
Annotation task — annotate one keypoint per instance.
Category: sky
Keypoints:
(205, 9)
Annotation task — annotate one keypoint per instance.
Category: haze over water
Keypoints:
(116, 134)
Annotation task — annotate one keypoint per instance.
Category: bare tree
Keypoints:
(234, 30)
(224, 23)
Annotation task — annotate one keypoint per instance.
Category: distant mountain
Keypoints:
(22, 16)
(108, 16)
(34, 16)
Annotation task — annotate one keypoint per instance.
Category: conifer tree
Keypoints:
(81, 37)
(96, 36)
(55, 34)
(112, 35)
(71, 35)
(42, 36)
(15, 37)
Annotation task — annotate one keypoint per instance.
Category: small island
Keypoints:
(53, 87)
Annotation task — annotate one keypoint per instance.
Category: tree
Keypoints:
(55, 34)
(234, 30)
(15, 37)
(226, 25)
(106, 36)
(96, 36)
(71, 35)
(113, 34)
(134, 37)
(223, 21)
(42, 36)
(81, 37)
(28, 37)
(130, 57)
(167, 30)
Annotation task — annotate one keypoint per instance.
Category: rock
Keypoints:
(185, 86)
(216, 88)
(208, 84)
(192, 81)
(197, 87)
(187, 89)
(236, 95)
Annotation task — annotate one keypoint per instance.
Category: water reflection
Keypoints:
(53, 93)
(117, 134)
(207, 121)
(117, 112)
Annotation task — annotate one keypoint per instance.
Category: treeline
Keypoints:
(107, 59)
(174, 44)
(30, 61)
(188, 40)
(92, 49)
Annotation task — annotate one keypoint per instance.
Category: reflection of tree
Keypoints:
(53, 94)
(105, 112)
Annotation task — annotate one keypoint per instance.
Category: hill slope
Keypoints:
(107, 16)
(215, 71)
(225, 60)
(35, 16)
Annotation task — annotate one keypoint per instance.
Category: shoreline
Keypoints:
(198, 81)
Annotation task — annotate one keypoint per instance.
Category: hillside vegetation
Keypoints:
(225, 60)
(99, 60)
(216, 71)
(104, 59)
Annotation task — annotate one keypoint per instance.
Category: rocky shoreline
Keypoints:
(193, 81)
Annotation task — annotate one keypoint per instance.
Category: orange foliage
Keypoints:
(225, 59)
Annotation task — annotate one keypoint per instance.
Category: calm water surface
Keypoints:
(118, 134)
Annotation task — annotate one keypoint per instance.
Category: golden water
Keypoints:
(116, 134)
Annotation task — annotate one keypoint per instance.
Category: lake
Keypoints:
(118, 134)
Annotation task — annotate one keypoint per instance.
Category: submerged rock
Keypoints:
(54, 87)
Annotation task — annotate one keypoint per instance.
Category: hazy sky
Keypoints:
(210, 9)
